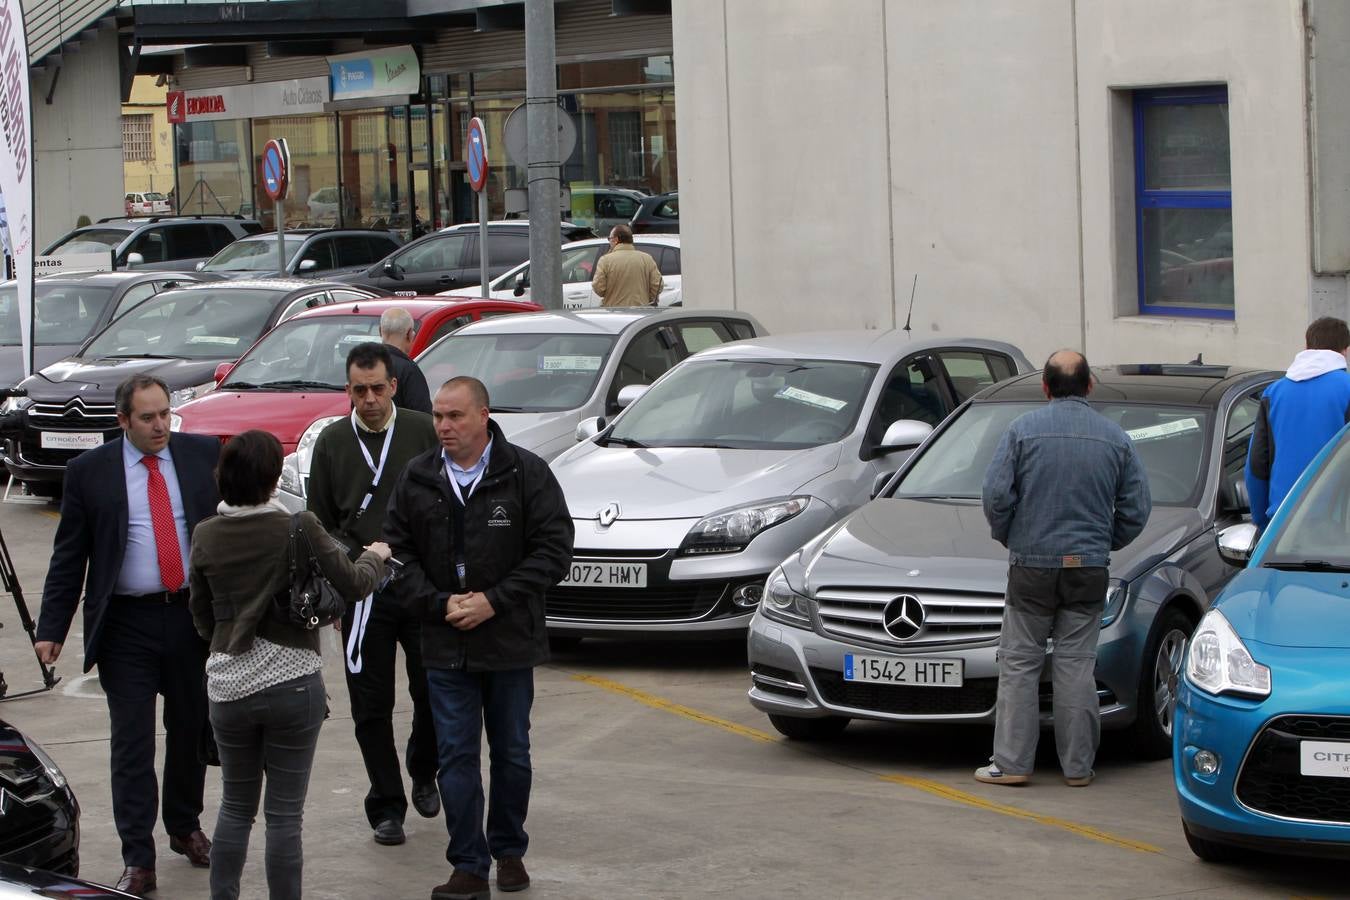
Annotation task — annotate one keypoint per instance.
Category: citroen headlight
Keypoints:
(183, 395)
(1219, 663)
(14, 404)
(295, 467)
(730, 531)
(1116, 591)
(54, 774)
(782, 603)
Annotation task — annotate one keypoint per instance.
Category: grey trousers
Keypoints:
(1066, 605)
(275, 730)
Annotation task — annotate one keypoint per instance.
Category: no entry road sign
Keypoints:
(475, 154)
(276, 163)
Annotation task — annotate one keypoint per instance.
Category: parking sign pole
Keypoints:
(279, 212)
(482, 244)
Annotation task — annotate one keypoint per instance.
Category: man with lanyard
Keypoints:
(356, 462)
(483, 530)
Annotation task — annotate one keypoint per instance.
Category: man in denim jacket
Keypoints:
(1064, 489)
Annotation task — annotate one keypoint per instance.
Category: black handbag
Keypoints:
(311, 600)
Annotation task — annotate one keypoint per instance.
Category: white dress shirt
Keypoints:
(140, 564)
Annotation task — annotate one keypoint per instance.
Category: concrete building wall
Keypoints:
(828, 158)
(78, 139)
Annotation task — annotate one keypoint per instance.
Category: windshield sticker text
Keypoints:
(569, 364)
(1166, 429)
(817, 400)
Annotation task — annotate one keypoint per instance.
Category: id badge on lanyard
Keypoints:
(375, 471)
(468, 490)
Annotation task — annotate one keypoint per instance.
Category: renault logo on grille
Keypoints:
(903, 617)
(609, 514)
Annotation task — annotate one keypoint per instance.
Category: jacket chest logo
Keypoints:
(499, 517)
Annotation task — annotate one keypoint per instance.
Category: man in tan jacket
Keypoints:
(626, 276)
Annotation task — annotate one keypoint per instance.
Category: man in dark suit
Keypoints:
(126, 516)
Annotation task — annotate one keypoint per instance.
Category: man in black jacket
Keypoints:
(396, 332)
(483, 531)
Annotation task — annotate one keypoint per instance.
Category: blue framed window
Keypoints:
(1183, 202)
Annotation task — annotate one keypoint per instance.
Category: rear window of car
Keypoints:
(93, 240)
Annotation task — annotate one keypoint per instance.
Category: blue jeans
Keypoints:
(463, 704)
(275, 730)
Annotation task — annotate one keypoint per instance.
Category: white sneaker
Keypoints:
(992, 774)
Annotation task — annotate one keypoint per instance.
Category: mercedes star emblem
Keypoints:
(609, 514)
(903, 617)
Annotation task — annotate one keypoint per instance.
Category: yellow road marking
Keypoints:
(666, 706)
(922, 784)
(50, 513)
(958, 796)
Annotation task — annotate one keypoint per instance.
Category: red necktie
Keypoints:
(166, 532)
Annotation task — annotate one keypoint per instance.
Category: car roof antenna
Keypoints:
(1198, 361)
(910, 315)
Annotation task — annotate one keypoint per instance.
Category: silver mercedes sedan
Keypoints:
(737, 457)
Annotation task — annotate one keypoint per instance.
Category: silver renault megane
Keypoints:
(736, 458)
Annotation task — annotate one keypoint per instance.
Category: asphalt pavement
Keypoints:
(655, 778)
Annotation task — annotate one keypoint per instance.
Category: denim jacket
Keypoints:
(1065, 488)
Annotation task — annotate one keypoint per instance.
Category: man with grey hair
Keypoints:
(396, 332)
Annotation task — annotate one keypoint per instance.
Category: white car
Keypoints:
(147, 203)
(579, 260)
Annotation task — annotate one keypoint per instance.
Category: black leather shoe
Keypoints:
(136, 880)
(389, 832)
(426, 799)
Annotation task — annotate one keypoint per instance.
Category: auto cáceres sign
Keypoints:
(299, 96)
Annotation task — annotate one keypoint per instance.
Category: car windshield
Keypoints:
(93, 240)
(1316, 534)
(748, 404)
(252, 256)
(523, 372)
(307, 352)
(154, 195)
(1170, 441)
(66, 314)
(218, 323)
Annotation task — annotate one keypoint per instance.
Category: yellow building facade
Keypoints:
(147, 139)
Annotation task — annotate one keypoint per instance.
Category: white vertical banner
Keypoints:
(16, 162)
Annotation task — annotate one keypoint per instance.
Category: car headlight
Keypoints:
(782, 603)
(295, 467)
(730, 531)
(183, 395)
(48, 764)
(1219, 663)
(1116, 591)
(14, 404)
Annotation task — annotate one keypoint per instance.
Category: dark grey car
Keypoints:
(310, 253)
(828, 643)
(156, 242)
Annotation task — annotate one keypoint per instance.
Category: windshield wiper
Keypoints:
(143, 356)
(624, 442)
(299, 384)
(1306, 565)
(506, 409)
(239, 386)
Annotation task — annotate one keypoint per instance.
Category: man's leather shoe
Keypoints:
(195, 846)
(389, 832)
(511, 874)
(426, 799)
(136, 880)
(462, 886)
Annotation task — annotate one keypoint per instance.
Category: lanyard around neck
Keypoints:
(375, 471)
(469, 488)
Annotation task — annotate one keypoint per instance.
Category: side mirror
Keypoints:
(201, 265)
(1236, 543)
(905, 434)
(519, 289)
(589, 428)
(393, 270)
(879, 483)
(222, 371)
(307, 265)
(629, 393)
(135, 259)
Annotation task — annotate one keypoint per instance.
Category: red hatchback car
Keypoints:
(291, 381)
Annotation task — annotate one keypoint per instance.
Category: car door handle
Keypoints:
(446, 279)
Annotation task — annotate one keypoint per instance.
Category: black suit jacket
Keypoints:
(412, 392)
(91, 538)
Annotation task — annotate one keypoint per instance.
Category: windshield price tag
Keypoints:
(569, 363)
(1166, 429)
(221, 339)
(817, 400)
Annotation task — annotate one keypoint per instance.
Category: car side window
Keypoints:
(187, 241)
(669, 260)
(380, 247)
(702, 335)
(438, 254)
(307, 301)
(321, 251)
(134, 295)
(506, 248)
(670, 209)
(449, 325)
(649, 356)
(346, 296)
(911, 392)
(352, 250)
(1237, 438)
(221, 236)
(150, 245)
(968, 371)
(741, 330)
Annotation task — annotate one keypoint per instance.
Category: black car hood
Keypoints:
(11, 360)
(97, 379)
(947, 542)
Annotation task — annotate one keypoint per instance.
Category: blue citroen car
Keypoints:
(1262, 731)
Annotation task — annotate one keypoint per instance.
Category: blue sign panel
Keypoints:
(352, 77)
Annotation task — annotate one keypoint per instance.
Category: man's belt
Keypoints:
(160, 597)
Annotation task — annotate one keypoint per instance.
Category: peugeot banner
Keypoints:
(16, 163)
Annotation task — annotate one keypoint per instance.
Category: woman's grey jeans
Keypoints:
(275, 730)
(1064, 604)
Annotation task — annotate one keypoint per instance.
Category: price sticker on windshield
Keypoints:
(569, 363)
(1165, 429)
(820, 401)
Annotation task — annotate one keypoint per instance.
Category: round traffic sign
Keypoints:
(475, 154)
(274, 165)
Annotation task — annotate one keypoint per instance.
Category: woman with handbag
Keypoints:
(263, 681)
